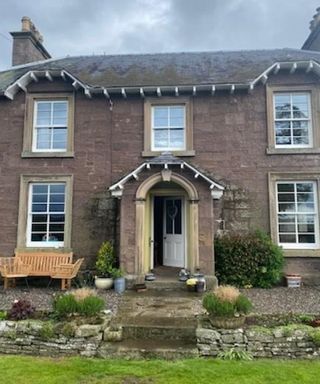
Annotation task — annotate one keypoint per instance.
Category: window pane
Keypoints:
(57, 198)
(161, 138)
(38, 236)
(291, 228)
(176, 138)
(283, 218)
(39, 218)
(40, 188)
(287, 238)
(160, 116)
(309, 239)
(43, 113)
(56, 218)
(283, 187)
(286, 197)
(39, 207)
(305, 228)
(177, 116)
(39, 227)
(56, 227)
(304, 187)
(43, 138)
(42, 198)
(60, 113)
(56, 207)
(57, 188)
(286, 207)
(305, 207)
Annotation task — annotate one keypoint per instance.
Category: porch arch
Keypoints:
(141, 266)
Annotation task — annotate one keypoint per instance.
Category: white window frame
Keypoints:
(35, 127)
(44, 244)
(153, 147)
(315, 213)
(291, 119)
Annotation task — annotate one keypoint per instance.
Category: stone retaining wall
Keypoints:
(281, 342)
(40, 338)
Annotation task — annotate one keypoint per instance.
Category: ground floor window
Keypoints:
(46, 214)
(297, 214)
(45, 211)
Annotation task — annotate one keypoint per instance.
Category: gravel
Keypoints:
(42, 298)
(283, 300)
(266, 301)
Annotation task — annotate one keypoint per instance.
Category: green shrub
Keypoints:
(67, 305)
(235, 354)
(315, 336)
(251, 259)
(90, 306)
(224, 308)
(3, 315)
(64, 305)
(105, 263)
(47, 331)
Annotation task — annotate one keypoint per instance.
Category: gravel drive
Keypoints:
(266, 301)
(283, 300)
(41, 298)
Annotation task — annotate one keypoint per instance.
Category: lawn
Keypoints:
(25, 370)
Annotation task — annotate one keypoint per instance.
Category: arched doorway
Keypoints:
(166, 223)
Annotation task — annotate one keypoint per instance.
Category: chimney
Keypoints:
(27, 44)
(313, 41)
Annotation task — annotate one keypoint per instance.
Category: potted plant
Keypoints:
(119, 280)
(226, 307)
(104, 266)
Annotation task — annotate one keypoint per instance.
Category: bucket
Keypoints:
(293, 281)
(120, 284)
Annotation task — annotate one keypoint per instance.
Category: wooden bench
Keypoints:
(66, 273)
(45, 263)
(14, 269)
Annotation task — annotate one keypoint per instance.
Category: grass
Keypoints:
(27, 370)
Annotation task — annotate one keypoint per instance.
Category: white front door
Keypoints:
(173, 232)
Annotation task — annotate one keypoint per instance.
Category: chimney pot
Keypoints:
(26, 24)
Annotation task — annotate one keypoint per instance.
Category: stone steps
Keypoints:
(147, 349)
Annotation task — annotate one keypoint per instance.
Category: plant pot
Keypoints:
(293, 281)
(227, 322)
(103, 282)
(120, 284)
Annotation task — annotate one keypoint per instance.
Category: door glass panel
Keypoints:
(173, 217)
(169, 221)
(177, 221)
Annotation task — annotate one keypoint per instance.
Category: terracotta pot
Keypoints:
(227, 322)
(103, 282)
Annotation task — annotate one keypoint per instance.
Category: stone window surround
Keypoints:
(25, 181)
(315, 119)
(148, 104)
(31, 98)
(273, 177)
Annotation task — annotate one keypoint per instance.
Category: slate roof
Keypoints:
(161, 69)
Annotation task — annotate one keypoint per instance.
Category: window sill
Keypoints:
(301, 252)
(43, 249)
(27, 154)
(292, 151)
(188, 153)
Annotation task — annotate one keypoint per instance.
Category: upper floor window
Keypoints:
(50, 125)
(168, 127)
(292, 119)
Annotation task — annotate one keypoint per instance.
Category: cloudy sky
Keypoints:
(76, 27)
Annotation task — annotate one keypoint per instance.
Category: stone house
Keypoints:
(160, 152)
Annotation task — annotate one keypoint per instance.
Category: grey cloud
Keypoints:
(78, 27)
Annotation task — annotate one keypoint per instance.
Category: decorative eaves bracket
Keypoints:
(166, 161)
